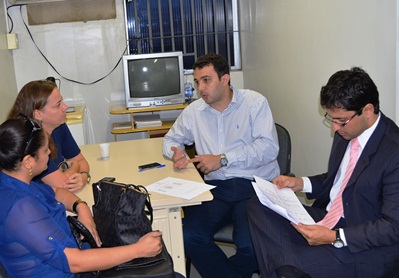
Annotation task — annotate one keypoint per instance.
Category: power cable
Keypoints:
(54, 68)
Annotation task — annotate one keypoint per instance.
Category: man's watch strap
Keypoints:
(223, 160)
(338, 242)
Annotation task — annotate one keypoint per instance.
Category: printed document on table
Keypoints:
(179, 188)
(282, 201)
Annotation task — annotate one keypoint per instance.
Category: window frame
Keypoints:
(235, 33)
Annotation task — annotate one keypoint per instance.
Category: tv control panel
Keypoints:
(133, 105)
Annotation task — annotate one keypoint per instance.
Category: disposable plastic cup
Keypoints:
(104, 150)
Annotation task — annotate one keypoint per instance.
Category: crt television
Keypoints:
(153, 79)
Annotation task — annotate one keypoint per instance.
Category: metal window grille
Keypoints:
(195, 27)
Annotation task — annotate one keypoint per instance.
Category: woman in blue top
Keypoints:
(35, 238)
(41, 100)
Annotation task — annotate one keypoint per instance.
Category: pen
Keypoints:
(159, 166)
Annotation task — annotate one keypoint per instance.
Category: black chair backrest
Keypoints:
(284, 154)
(3, 273)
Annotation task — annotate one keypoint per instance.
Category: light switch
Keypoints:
(12, 41)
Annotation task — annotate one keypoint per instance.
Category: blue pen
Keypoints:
(148, 168)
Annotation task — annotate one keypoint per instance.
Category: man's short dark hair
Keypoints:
(350, 90)
(218, 61)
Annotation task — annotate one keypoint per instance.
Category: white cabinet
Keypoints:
(75, 122)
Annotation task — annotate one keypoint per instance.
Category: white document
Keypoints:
(179, 188)
(282, 201)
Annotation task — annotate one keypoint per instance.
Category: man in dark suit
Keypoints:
(363, 241)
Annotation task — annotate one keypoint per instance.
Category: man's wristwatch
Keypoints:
(223, 160)
(338, 243)
(88, 176)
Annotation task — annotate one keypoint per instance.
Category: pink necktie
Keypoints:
(336, 210)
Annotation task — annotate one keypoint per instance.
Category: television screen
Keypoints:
(153, 79)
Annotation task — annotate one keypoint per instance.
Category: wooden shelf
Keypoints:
(119, 109)
(165, 125)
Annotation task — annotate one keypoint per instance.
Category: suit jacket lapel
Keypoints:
(370, 148)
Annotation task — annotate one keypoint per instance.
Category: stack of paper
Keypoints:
(147, 120)
(282, 201)
(179, 188)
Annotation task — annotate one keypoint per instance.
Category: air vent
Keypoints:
(22, 2)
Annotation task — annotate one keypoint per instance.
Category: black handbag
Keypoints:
(123, 213)
(120, 212)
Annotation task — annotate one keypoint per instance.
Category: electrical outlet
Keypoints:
(12, 41)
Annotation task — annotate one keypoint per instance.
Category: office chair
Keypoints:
(225, 234)
(3, 273)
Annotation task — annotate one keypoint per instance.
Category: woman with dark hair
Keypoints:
(41, 100)
(35, 237)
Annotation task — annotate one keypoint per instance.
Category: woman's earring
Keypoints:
(30, 171)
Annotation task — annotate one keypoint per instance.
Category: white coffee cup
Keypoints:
(104, 149)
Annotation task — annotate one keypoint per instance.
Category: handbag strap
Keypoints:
(142, 189)
(79, 229)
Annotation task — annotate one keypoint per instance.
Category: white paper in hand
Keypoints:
(282, 201)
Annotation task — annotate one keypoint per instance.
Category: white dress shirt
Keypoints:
(245, 132)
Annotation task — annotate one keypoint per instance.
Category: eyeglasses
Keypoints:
(342, 123)
(33, 125)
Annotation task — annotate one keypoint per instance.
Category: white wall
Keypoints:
(80, 51)
(7, 77)
(291, 48)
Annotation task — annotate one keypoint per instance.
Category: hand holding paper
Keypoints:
(282, 201)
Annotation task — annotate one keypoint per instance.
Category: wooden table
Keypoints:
(125, 157)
